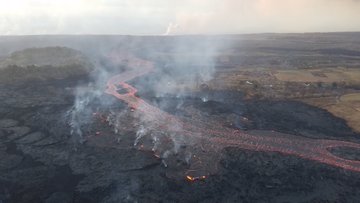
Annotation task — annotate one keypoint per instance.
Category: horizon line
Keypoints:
(180, 35)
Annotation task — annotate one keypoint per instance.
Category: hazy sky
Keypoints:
(156, 17)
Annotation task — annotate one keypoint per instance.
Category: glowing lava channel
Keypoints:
(312, 149)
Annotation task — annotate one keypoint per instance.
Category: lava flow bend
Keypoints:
(219, 136)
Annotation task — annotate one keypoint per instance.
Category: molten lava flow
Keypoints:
(219, 136)
(191, 178)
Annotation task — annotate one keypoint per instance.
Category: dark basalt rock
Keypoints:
(17, 132)
(297, 118)
(31, 138)
(6, 123)
(59, 197)
(9, 161)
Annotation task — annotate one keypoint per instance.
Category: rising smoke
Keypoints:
(182, 64)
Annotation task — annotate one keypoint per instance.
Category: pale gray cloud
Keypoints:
(184, 16)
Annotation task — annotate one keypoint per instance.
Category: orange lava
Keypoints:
(192, 179)
(217, 136)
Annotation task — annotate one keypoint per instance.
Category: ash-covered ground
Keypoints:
(44, 159)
